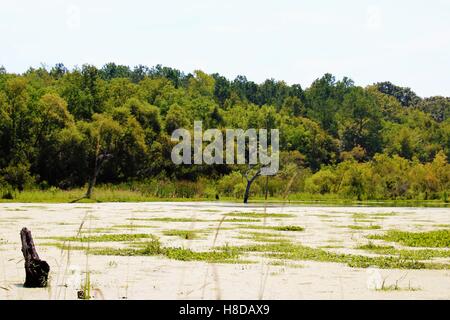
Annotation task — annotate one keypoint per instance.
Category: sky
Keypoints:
(406, 42)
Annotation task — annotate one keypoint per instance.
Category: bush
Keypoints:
(18, 176)
(227, 185)
(239, 190)
(7, 194)
(321, 182)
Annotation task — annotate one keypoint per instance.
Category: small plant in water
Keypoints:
(85, 292)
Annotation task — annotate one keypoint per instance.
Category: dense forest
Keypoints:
(60, 128)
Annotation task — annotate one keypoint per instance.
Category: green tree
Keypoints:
(359, 122)
(176, 118)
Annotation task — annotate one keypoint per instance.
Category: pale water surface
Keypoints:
(157, 277)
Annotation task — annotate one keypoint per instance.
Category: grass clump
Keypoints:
(154, 247)
(433, 239)
(358, 215)
(276, 228)
(183, 234)
(369, 227)
(289, 228)
(259, 215)
(97, 230)
(396, 287)
(424, 254)
(149, 248)
(263, 237)
(106, 237)
(85, 292)
(330, 246)
(132, 226)
(374, 247)
(442, 225)
(225, 256)
(278, 249)
(63, 245)
(281, 263)
(242, 220)
(385, 214)
(167, 219)
(290, 251)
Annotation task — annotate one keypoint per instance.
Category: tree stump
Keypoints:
(36, 270)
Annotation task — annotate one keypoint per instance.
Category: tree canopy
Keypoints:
(55, 123)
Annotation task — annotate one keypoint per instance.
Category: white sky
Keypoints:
(406, 42)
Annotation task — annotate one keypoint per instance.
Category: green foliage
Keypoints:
(106, 238)
(183, 234)
(286, 250)
(18, 176)
(384, 177)
(259, 215)
(154, 247)
(437, 238)
(404, 95)
(368, 227)
(337, 139)
(321, 182)
(359, 121)
(422, 254)
(289, 228)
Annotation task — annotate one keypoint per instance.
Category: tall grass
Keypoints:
(185, 190)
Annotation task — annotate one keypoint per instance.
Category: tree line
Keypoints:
(69, 128)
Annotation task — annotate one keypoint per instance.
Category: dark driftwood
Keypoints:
(36, 270)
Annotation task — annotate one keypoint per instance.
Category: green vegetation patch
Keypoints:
(433, 239)
(63, 245)
(133, 226)
(396, 287)
(281, 263)
(385, 214)
(167, 219)
(442, 225)
(330, 246)
(263, 237)
(289, 228)
(290, 251)
(366, 217)
(282, 250)
(276, 228)
(154, 247)
(106, 237)
(241, 220)
(369, 227)
(424, 254)
(358, 215)
(98, 230)
(259, 215)
(184, 234)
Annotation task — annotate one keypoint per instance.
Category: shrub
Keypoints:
(321, 182)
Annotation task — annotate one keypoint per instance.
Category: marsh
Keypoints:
(205, 250)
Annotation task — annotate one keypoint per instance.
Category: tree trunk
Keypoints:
(93, 179)
(249, 184)
(99, 160)
(36, 270)
(247, 191)
(267, 188)
(92, 183)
